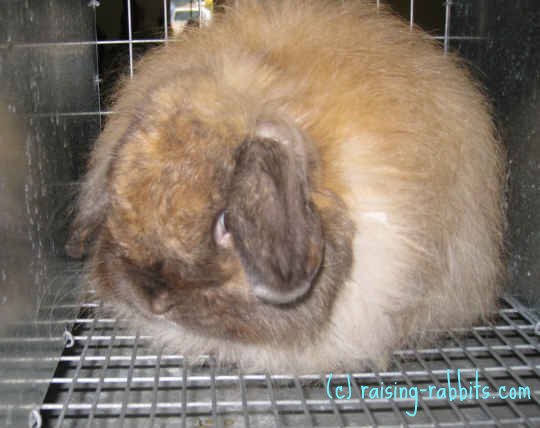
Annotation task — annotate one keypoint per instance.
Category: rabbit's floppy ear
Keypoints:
(92, 204)
(275, 226)
(87, 222)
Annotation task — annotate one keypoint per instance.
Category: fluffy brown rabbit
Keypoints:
(296, 188)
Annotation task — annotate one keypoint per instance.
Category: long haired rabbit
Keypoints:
(296, 188)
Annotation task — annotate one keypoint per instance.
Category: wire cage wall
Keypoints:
(62, 365)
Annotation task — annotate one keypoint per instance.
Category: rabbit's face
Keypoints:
(221, 232)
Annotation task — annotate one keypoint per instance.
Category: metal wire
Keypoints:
(101, 380)
(411, 14)
(130, 38)
(75, 377)
(165, 22)
(114, 378)
(447, 15)
(155, 390)
(97, 79)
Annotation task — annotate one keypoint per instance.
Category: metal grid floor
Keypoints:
(107, 377)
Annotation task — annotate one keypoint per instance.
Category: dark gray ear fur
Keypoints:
(275, 226)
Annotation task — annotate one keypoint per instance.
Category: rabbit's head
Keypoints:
(228, 234)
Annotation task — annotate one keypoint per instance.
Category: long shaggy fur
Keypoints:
(404, 168)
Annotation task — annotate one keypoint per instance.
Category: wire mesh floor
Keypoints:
(107, 377)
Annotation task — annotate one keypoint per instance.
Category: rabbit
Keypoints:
(298, 189)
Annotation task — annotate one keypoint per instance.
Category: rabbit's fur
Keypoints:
(358, 169)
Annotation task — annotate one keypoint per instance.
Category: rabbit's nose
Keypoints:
(222, 236)
(161, 302)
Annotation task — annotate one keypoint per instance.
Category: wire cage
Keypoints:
(105, 376)
(62, 365)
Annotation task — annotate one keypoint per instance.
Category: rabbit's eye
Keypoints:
(221, 234)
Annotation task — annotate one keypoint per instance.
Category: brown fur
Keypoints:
(379, 162)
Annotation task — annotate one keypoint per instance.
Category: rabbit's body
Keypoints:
(358, 169)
